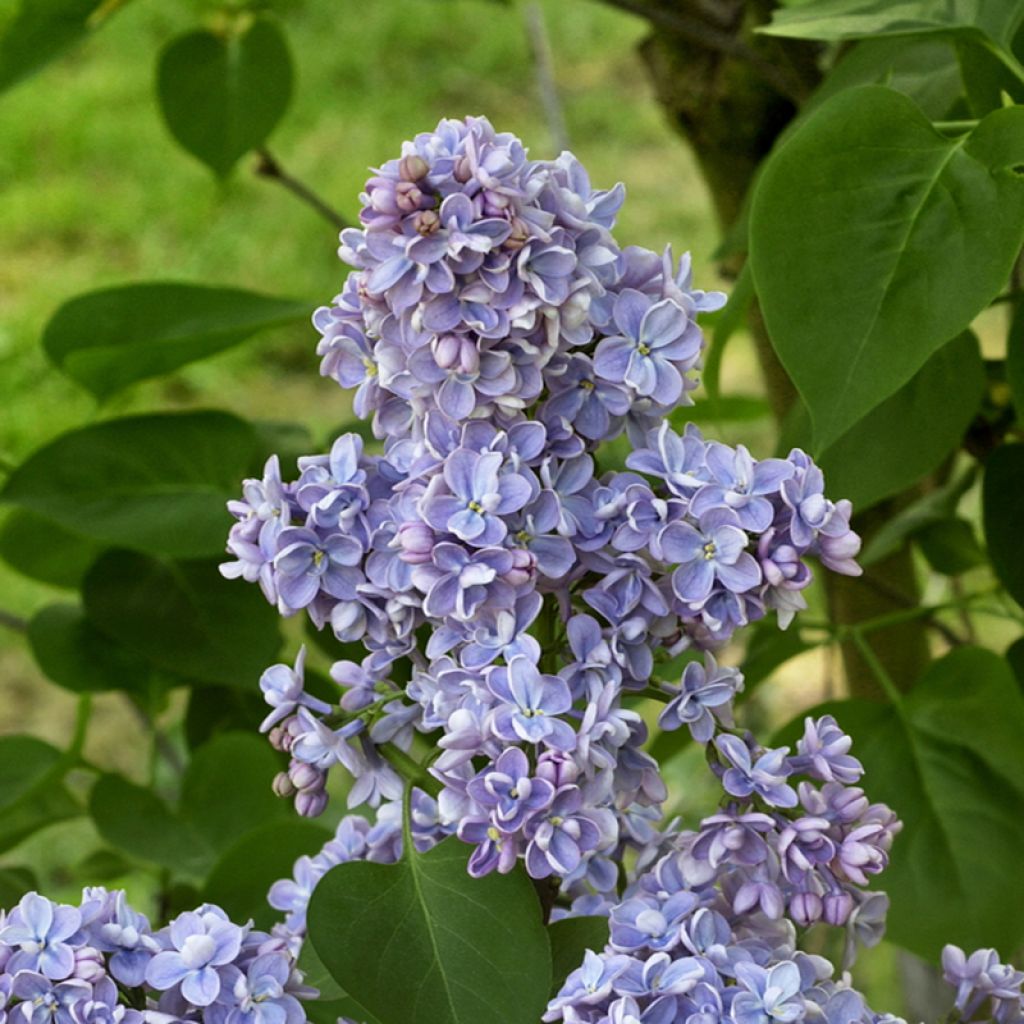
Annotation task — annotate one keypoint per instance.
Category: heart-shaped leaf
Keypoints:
(222, 95)
(421, 942)
(925, 228)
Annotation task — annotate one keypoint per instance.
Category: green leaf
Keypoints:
(14, 883)
(109, 339)
(906, 437)
(767, 649)
(74, 654)
(420, 942)
(1003, 515)
(950, 546)
(1015, 360)
(218, 709)
(951, 765)
(875, 239)
(927, 70)
(44, 29)
(333, 1002)
(44, 551)
(856, 19)
(570, 938)
(183, 617)
(227, 788)
(222, 96)
(930, 508)
(32, 794)
(242, 877)
(727, 323)
(137, 822)
(155, 483)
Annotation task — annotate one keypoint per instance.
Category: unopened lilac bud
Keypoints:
(805, 908)
(412, 168)
(426, 222)
(446, 350)
(524, 564)
(305, 776)
(557, 768)
(310, 803)
(838, 907)
(463, 170)
(408, 197)
(89, 965)
(416, 541)
(283, 786)
(280, 738)
(469, 357)
(520, 235)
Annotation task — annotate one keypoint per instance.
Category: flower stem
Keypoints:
(409, 768)
(269, 167)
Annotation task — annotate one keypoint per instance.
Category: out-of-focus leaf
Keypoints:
(42, 30)
(242, 877)
(74, 654)
(156, 483)
(1003, 504)
(768, 648)
(32, 794)
(183, 617)
(1015, 360)
(227, 788)
(137, 822)
(933, 507)
(219, 709)
(222, 96)
(950, 546)
(925, 228)
(44, 551)
(109, 339)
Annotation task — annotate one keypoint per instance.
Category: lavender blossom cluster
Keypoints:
(101, 963)
(510, 594)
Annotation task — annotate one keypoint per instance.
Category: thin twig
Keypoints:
(269, 167)
(13, 622)
(712, 38)
(544, 66)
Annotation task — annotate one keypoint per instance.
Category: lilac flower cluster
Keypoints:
(707, 929)
(508, 594)
(986, 989)
(101, 963)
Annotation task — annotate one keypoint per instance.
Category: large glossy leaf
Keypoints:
(183, 617)
(242, 877)
(222, 95)
(908, 435)
(227, 788)
(109, 339)
(858, 19)
(420, 942)
(875, 239)
(137, 822)
(155, 483)
(32, 793)
(911, 432)
(1003, 504)
(44, 551)
(74, 654)
(42, 30)
(950, 763)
